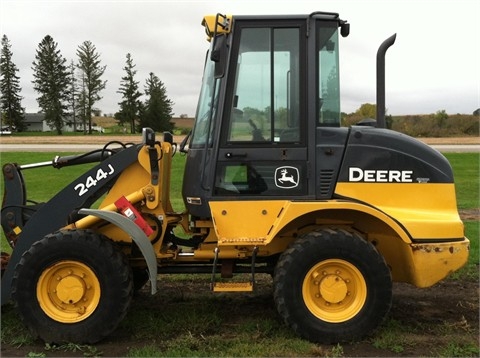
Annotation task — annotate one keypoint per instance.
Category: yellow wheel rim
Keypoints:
(68, 291)
(334, 290)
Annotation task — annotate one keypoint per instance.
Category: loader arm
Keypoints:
(53, 215)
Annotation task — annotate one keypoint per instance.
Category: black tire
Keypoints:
(332, 286)
(72, 286)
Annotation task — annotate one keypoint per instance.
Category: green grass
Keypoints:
(470, 270)
(110, 131)
(458, 350)
(179, 325)
(394, 336)
(44, 182)
(466, 173)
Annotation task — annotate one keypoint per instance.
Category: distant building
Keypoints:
(35, 122)
(183, 122)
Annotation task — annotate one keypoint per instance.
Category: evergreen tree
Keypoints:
(158, 108)
(82, 104)
(51, 81)
(89, 64)
(74, 94)
(130, 107)
(13, 114)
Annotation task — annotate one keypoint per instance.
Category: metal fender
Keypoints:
(137, 235)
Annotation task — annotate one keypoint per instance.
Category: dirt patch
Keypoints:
(422, 320)
(452, 140)
(102, 139)
(428, 318)
(470, 214)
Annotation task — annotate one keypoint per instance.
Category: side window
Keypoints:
(328, 78)
(266, 102)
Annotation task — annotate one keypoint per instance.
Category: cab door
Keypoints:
(262, 149)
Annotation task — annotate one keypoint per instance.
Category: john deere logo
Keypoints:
(287, 177)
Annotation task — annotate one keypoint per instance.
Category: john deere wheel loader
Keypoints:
(272, 184)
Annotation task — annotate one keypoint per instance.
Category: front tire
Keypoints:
(332, 286)
(72, 286)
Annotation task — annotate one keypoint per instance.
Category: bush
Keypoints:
(433, 125)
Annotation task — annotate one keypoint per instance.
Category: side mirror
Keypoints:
(345, 29)
(219, 54)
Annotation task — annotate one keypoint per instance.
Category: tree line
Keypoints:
(67, 93)
(438, 124)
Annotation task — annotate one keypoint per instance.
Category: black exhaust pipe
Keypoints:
(381, 80)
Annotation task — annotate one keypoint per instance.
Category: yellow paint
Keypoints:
(334, 290)
(68, 292)
(245, 221)
(427, 211)
(232, 287)
(273, 225)
(259, 222)
(209, 24)
(431, 263)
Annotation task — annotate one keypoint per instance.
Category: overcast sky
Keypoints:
(433, 65)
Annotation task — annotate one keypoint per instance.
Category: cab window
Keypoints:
(266, 101)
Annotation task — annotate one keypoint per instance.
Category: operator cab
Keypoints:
(267, 86)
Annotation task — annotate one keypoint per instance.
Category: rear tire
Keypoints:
(72, 286)
(332, 286)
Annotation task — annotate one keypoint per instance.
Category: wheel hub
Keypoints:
(70, 289)
(333, 289)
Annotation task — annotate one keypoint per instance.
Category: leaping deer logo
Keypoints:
(286, 177)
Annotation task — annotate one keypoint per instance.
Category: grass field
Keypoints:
(175, 324)
(43, 183)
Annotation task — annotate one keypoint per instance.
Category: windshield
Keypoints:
(206, 109)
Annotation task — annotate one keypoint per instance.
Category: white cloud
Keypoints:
(432, 66)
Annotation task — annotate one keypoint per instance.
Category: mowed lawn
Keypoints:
(184, 329)
(44, 182)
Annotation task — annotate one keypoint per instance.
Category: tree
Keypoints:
(367, 110)
(10, 100)
(51, 81)
(82, 104)
(157, 113)
(72, 102)
(89, 65)
(130, 106)
(441, 116)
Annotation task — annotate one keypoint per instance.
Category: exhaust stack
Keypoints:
(381, 79)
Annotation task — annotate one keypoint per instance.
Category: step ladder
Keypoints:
(247, 286)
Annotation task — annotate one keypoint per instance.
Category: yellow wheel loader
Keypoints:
(272, 184)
